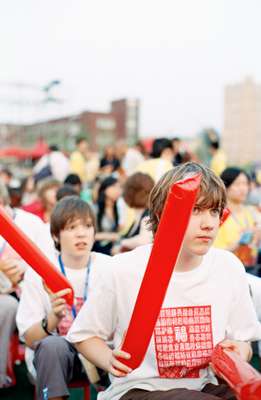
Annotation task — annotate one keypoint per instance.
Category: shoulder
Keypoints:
(136, 259)
(24, 217)
(225, 262)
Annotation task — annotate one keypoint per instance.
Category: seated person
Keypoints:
(204, 303)
(12, 268)
(136, 194)
(108, 215)
(43, 318)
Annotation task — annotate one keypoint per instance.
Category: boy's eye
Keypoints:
(215, 211)
(196, 210)
(71, 227)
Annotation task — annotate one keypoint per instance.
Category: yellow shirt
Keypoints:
(230, 232)
(218, 162)
(78, 165)
(155, 168)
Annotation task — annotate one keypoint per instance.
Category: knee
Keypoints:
(51, 346)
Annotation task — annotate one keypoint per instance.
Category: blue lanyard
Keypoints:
(86, 284)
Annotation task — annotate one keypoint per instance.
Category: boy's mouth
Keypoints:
(80, 245)
(204, 238)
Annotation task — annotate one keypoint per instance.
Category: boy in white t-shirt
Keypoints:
(207, 302)
(43, 318)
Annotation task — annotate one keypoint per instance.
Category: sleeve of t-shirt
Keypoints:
(34, 303)
(243, 323)
(97, 316)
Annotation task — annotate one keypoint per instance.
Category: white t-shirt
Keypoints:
(35, 303)
(201, 308)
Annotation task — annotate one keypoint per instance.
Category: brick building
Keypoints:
(121, 122)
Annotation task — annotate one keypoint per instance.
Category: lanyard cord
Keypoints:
(86, 283)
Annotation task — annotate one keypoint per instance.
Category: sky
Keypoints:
(175, 56)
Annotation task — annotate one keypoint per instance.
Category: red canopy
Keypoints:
(40, 148)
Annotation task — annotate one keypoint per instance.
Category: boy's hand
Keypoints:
(11, 268)
(116, 367)
(58, 303)
(243, 349)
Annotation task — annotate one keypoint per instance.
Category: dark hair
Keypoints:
(137, 189)
(67, 210)
(53, 147)
(73, 179)
(159, 145)
(230, 174)
(101, 199)
(80, 139)
(65, 190)
(212, 193)
(215, 145)
(7, 172)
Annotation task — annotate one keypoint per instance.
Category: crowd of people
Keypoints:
(95, 218)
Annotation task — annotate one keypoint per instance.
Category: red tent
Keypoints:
(40, 148)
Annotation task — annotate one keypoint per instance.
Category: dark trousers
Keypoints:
(210, 392)
(57, 363)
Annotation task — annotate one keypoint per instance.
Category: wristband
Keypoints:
(44, 325)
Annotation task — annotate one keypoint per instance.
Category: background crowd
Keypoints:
(116, 186)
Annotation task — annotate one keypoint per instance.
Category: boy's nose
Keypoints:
(207, 221)
(81, 231)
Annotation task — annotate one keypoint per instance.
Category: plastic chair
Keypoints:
(16, 355)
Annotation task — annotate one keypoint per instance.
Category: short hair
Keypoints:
(46, 184)
(4, 195)
(7, 172)
(212, 193)
(230, 174)
(68, 209)
(214, 145)
(73, 179)
(53, 147)
(159, 145)
(80, 139)
(137, 189)
(65, 190)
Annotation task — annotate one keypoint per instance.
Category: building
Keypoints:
(121, 122)
(241, 137)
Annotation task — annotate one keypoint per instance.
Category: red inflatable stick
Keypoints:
(165, 250)
(225, 215)
(33, 256)
(241, 377)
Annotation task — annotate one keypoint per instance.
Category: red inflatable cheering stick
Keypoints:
(166, 247)
(33, 256)
(241, 377)
(225, 215)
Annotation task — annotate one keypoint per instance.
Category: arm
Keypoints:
(34, 305)
(110, 236)
(12, 269)
(36, 332)
(144, 237)
(98, 352)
